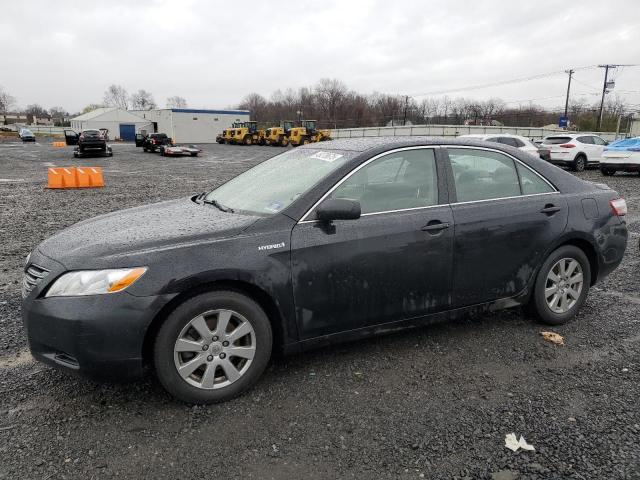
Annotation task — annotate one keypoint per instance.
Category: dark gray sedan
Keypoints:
(323, 243)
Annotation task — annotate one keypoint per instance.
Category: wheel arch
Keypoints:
(257, 294)
(589, 250)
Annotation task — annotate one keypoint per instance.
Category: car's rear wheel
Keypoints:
(248, 140)
(212, 347)
(608, 172)
(561, 286)
(580, 163)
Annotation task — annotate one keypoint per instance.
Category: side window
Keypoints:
(598, 140)
(518, 143)
(587, 140)
(493, 139)
(397, 181)
(507, 141)
(531, 182)
(482, 175)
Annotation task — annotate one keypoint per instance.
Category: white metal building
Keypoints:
(189, 125)
(121, 124)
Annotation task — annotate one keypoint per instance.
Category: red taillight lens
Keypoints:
(153, 141)
(81, 137)
(619, 206)
(567, 145)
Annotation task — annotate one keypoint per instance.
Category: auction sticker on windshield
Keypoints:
(326, 156)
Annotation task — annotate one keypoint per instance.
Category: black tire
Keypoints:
(607, 172)
(580, 163)
(163, 354)
(145, 149)
(538, 303)
(194, 154)
(247, 140)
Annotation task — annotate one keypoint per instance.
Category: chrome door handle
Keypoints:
(435, 226)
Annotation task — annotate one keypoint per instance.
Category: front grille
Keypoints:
(33, 275)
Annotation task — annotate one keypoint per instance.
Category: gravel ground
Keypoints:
(430, 403)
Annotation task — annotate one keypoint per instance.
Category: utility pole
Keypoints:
(604, 91)
(566, 103)
(406, 102)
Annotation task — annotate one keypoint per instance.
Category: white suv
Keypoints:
(575, 150)
(517, 141)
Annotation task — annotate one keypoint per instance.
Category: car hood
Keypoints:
(141, 230)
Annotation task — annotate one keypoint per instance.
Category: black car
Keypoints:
(26, 135)
(320, 244)
(88, 140)
(153, 141)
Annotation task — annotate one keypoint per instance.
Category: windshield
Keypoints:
(626, 143)
(272, 185)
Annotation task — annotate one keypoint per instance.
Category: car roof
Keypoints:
(364, 144)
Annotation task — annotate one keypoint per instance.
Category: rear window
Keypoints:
(556, 140)
(91, 132)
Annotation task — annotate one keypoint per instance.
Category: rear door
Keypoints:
(505, 216)
(392, 263)
(587, 145)
(70, 137)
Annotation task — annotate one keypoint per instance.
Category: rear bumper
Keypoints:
(620, 166)
(98, 336)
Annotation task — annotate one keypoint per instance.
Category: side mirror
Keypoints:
(338, 209)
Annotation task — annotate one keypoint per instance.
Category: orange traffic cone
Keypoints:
(88, 177)
(64, 177)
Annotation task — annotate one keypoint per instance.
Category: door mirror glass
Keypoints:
(338, 209)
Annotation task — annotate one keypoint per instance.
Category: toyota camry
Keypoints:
(320, 244)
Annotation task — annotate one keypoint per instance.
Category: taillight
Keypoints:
(567, 145)
(81, 137)
(618, 206)
(153, 141)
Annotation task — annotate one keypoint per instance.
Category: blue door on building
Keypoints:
(127, 132)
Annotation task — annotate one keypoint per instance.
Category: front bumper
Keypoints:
(99, 336)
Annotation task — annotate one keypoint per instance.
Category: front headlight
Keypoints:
(94, 282)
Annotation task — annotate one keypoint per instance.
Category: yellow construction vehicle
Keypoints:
(248, 134)
(227, 133)
(278, 136)
(307, 133)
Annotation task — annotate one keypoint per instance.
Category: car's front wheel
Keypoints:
(213, 347)
(561, 286)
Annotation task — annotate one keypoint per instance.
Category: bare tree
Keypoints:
(330, 92)
(91, 107)
(116, 96)
(142, 100)
(176, 102)
(256, 104)
(7, 102)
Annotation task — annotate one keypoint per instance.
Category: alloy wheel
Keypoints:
(564, 285)
(215, 349)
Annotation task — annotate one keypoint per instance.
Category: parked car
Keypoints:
(152, 141)
(621, 156)
(179, 151)
(26, 135)
(88, 140)
(575, 150)
(517, 141)
(323, 243)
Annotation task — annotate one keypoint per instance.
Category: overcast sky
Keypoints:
(213, 53)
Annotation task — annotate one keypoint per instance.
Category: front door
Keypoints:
(504, 213)
(70, 137)
(392, 263)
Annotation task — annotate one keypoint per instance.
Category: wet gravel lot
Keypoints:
(435, 402)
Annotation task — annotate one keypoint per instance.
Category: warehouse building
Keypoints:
(188, 125)
(121, 124)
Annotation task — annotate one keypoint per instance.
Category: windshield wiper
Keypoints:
(218, 205)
